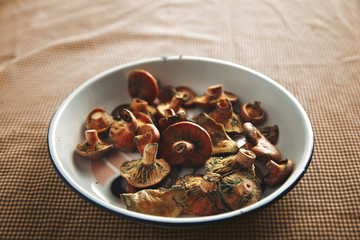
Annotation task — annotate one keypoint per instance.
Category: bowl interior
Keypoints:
(109, 89)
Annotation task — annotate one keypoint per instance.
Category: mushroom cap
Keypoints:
(142, 119)
(186, 132)
(93, 147)
(99, 120)
(140, 105)
(122, 139)
(189, 95)
(148, 133)
(252, 112)
(141, 174)
(256, 142)
(271, 133)
(166, 202)
(239, 189)
(224, 114)
(221, 142)
(117, 110)
(171, 118)
(202, 196)
(174, 104)
(142, 84)
(278, 172)
(166, 93)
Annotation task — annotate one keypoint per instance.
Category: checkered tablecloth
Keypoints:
(48, 48)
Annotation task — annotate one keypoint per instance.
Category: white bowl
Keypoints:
(109, 89)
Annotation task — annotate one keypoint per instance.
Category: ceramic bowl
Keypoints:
(95, 180)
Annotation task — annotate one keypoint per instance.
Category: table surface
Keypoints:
(48, 48)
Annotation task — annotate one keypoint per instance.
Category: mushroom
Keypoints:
(188, 96)
(99, 120)
(122, 132)
(116, 112)
(252, 112)
(224, 114)
(142, 119)
(278, 172)
(221, 142)
(202, 196)
(93, 147)
(244, 159)
(214, 94)
(270, 132)
(148, 133)
(140, 105)
(166, 202)
(146, 171)
(166, 93)
(239, 189)
(170, 118)
(185, 144)
(174, 104)
(256, 142)
(142, 84)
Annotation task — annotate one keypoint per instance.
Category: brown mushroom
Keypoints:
(221, 142)
(142, 84)
(140, 105)
(244, 159)
(174, 104)
(224, 114)
(256, 142)
(148, 133)
(166, 202)
(214, 94)
(99, 120)
(239, 189)
(278, 172)
(202, 196)
(146, 171)
(186, 144)
(122, 132)
(171, 118)
(116, 112)
(166, 93)
(271, 133)
(188, 96)
(93, 147)
(252, 112)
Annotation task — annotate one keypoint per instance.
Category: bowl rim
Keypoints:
(166, 221)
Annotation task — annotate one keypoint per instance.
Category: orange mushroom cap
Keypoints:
(148, 133)
(252, 112)
(214, 94)
(278, 172)
(188, 96)
(93, 147)
(186, 144)
(142, 84)
(99, 120)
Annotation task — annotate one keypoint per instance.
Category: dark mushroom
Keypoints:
(185, 144)
(188, 96)
(93, 147)
(224, 114)
(214, 94)
(122, 132)
(202, 196)
(146, 171)
(166, 93)
(278, 172)
(142, 84)
(252, 112)
(221, 142)
(165, 202)
(99, 120)
(148, 133)
(244, 159)
(256, 142)
(239, 189)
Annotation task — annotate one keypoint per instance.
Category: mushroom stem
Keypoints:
(245, 158)
(224, 109)
(150, 152)
(181, 147)
(130, 120)
(176, 101)
(216, 90)
(245, 188)
(208, 183)
(91, 137)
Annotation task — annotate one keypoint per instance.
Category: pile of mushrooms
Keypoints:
(156, 125)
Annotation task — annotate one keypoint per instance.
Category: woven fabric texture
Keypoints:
(48, 48)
